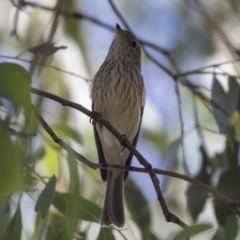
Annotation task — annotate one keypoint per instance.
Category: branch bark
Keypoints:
(233, 204)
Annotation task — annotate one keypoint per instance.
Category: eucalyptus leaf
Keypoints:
(226, 103)
(4, 212)
(197, 196)
(105, 234)
(191, 231)
(46, 197)
(232, 96)
(218, 235)
(171, 160)
(231, 229)
(50, 232)
(138, 207)
(14, 228)
(77, 207)
(14, 82)
(74, 186)
(61, 236)
(11, 172)
(219, 97)
(71, 226)
(228, 185)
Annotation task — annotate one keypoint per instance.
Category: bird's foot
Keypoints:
(124, 140)
(92, 115)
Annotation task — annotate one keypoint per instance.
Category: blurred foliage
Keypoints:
(191, 231)
(139, 209)
(44, 186)
(193, 192)
(13, 230)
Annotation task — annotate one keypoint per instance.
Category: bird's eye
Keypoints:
(133, 44)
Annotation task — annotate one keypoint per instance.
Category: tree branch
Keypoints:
(233, 204)
(81, 16)
(48, 66)
(168, 215)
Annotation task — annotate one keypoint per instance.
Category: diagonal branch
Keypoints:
(168, 215)
(233, 204)
(82, 16)
(165, 52)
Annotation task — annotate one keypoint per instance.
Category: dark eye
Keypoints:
(133, 44)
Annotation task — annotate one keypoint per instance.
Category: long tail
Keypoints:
(113, 210)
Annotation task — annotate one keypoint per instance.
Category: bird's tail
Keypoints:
(113, 209)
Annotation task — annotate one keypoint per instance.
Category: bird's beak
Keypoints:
(118, 28)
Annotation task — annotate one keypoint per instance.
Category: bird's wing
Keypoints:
(129, 160)
(101, 157)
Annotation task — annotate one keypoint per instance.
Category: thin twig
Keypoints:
(47, 66)
(198, 6)
(205, 72)
(181, 125)
(120, 16)
(176, 69)
(20, 134)
(81, 16)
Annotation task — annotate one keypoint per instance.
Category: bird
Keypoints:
(118, 95)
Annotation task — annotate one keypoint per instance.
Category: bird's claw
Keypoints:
(92, 115)
(124, 140)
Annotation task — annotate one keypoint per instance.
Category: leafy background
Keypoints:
(45, 193)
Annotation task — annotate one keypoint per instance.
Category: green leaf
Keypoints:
(231, 229)
(138, 207)
(219, 97)
(191, 231)
(218, 235)
(171, 160)
(10, 165)
(74, 186)
(46, 197)
(71, 226)
(69, 132)
(228, 102)
(77, 207)
(4, 212)
(153, 237)
(14, 82)
(105, 234)
(229, 182)
(40, 227)
(50, 232)
(197, 196)
(14, 229)
(61, 236)
(232, 95)
(228, 185)
(72, 133)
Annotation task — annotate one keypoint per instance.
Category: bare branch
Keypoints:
(168, 215)
(165, 52)
(47, 66)
(148, 168)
